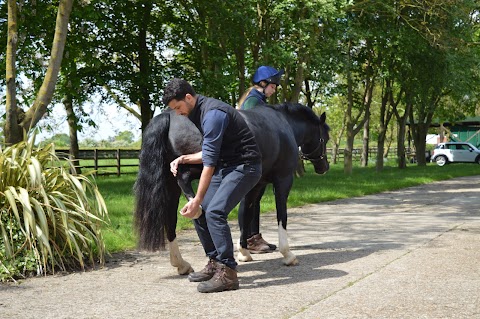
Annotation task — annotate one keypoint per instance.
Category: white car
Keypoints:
(455, 152)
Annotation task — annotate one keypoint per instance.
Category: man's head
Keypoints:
(179, 96)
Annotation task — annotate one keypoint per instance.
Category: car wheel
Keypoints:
(477, 160)
(441, 160)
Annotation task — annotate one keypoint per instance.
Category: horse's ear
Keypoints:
(323, 118)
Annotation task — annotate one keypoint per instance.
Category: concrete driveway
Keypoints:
(413, 253)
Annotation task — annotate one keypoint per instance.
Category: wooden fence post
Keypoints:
(118, 162)
(95, 160)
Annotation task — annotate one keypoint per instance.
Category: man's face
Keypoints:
(183, 107)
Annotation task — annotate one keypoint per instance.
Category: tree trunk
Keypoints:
(441, 133)
(297, 88)
(335, 148)
(402, 130)
(144, 66)
(73, 133)
(401, 154)
(366, 134)
(12, 131)
(380, 150)
(354, 125)
(240, 59)
(347, 152)
(420, 145)
(308, 94)
(45, 94)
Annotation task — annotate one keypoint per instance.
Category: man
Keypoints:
(231, 167)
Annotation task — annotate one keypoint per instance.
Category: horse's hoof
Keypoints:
(295, 262)
(244, 255)
(290, 260)
(185, 270)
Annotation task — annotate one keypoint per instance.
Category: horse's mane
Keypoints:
(297, 108)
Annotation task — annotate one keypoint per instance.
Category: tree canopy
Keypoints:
(381, 62)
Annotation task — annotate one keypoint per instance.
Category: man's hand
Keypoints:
(195, 158)
(174, 165)
(192, 209)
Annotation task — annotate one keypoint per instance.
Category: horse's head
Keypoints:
(315, 149)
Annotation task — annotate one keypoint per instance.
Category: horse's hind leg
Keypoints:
(176, 260)
(186, 174)
(282, 189)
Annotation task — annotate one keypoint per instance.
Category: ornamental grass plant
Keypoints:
(49, 219)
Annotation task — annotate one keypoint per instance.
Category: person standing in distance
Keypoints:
(231, 167)
(265, 82)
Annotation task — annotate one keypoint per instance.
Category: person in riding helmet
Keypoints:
(265, 82)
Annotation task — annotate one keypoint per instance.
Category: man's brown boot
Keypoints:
(224, 279)
(256, 246)
(206, 273)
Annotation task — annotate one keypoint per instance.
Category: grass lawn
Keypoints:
(311, 188)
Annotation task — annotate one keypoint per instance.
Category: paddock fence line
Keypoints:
(106, 161)
(125, 161)
(372, 154)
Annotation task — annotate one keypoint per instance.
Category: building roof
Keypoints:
(468, 121)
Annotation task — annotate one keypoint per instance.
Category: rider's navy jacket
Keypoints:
(254, 98)
(228, 140)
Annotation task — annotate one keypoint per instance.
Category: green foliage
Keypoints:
(60, 140)
(49, 219)
(426, 52)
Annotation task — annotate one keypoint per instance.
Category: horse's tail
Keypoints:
(155, 209)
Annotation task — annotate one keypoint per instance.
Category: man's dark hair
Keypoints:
(176, 89)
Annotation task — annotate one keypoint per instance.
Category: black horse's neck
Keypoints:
(300, 118)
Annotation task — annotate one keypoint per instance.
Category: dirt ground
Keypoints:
(412, 253)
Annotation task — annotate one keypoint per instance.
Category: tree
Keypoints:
(124, 138)
(18, 121)
(127, 59)
(78, 76)
(444, 37)
(60, 140)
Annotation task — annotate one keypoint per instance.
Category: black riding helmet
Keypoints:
(267, 74)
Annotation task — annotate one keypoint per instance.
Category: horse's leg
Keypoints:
(176, 260)
(282, 188)
(186, 174)
(246, 213)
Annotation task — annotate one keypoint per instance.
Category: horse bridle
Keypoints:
(313, 156)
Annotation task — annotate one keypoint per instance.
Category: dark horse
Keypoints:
(279, 131)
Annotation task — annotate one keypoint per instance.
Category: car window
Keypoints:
(452, 146)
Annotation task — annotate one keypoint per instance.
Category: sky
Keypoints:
(110, 122)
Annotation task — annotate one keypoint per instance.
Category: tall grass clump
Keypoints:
(49, 219)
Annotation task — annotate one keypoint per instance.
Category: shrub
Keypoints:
(49, 218)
